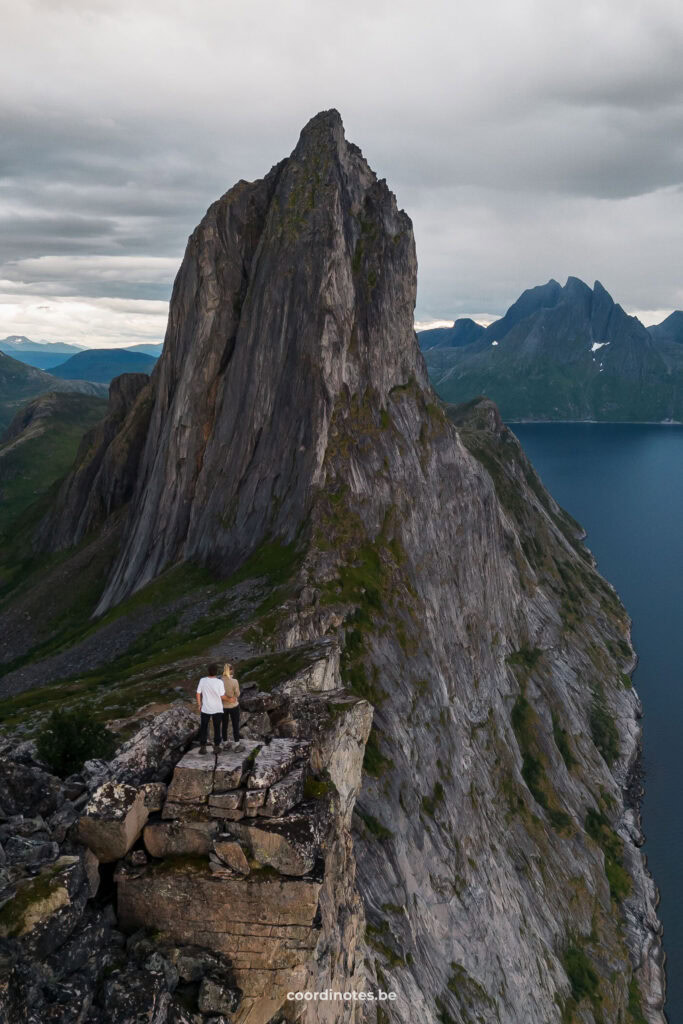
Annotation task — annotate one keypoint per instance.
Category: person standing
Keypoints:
(231, 704)
(210, 694)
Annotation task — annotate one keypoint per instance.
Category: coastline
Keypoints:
(643, 927)
(604, 423)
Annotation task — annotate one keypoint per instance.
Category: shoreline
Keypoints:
(602, 423)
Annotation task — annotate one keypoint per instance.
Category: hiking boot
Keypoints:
(216, 748)
(202, 749)
(239, 745)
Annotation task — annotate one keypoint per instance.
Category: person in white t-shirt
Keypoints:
(210, 693)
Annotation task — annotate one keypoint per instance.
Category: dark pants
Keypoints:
(204, 727)
(234, 715)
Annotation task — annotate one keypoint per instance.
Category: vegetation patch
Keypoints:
(561, 737)
(525, 724)
(598, 828)
(70, 738)
(583, 979)
(317, 787)
(603, 729)
(375, 827)
(635, 1005)
(374, 761)
(377, 936)
(430, 803)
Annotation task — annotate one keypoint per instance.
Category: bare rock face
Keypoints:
(106, 465)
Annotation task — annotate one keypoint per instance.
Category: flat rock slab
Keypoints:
(113, 820)
(179, 838)
(231, 800)
(290, 845)
(185, 812)
(274, 760)
(192, 778)
(231, 766)
(286, 793)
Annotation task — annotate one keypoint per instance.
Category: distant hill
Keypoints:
(103, 364)
(149, 350)
(463, 332)
(566, 353)
(40, 445)
(19, 383)
(43, 354)
(670, 329)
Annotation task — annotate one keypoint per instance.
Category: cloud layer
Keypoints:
(526, 139)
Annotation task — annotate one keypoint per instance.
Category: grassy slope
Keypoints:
(31, 462)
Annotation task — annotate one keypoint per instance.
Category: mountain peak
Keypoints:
(295, 292)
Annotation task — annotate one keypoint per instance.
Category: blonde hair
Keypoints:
(227, 669)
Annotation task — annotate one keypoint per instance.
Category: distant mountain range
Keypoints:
(563, 353)
(19, 383)
(103, 364)
(46, 355)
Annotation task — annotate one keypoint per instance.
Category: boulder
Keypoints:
(286, 793)
(185, 812)
(253, 801)
(47, 907)
(150, 754)
(232, 854)
(21, 850)
(28, 790)
(193, 778)
(62, 820)
(155, 795)
(232, 800)
(231, 766)
(291, 845)
(91, 866)
(133, 994)
(178, 838)
(217, 996)
(274, 760)
(226, 814)
(113, 820)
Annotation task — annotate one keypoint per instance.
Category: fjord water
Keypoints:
(624, 483)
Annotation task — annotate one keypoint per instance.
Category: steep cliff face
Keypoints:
(290, 410)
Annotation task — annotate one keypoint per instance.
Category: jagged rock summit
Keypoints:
(567, 353)
(291, 289)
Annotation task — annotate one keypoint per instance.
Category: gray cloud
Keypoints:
(527, 140)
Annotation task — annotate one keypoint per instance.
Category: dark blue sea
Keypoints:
(624, 483)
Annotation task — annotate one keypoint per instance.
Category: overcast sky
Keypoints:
(527, 139)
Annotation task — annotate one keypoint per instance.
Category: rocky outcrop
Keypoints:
(232, 876)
